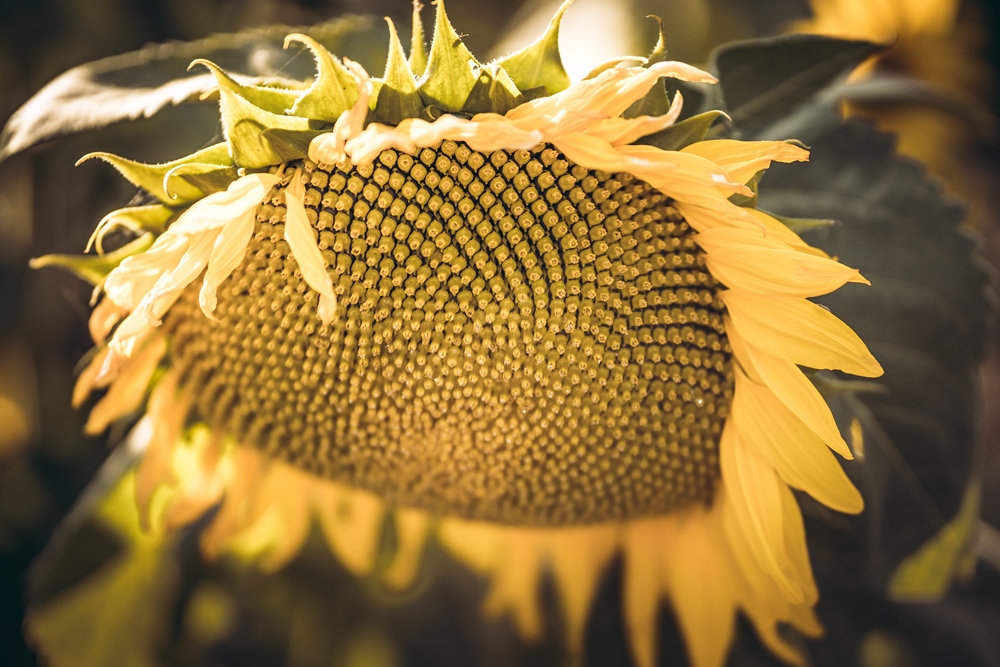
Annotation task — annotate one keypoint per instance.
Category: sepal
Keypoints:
(334, 90)
(540, 63)
(244, 125)
(450, 74)
(397, 97)
(151, 177)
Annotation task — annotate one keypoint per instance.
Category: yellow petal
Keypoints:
(579, 557)
(412, 528)
(781, 272)
(103, 319)
(644, 583)
(743, 159)
(795, 546)
(128, 391)
(703, 590)
(776, 230)
(302, 242)
(514, 587)
(793, 389)
(168, 288)
(353, 525)
(87, 382)
(475, 543)
(753, 493)
(130, 281)
(797, 454)
(799, 331)
(621, 131)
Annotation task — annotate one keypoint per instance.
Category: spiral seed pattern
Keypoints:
(518, 339)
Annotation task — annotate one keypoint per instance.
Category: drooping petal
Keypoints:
(703, 589)
(753, 493)
(227, 253)
(300, 236)
(798, 455)
(791, 387)
(798, 331)
(128, 390)
(412, 530)
(622, 131)
(743, 159)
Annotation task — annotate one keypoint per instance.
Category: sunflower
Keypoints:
(486, 304)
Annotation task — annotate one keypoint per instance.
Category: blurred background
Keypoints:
(314, 613)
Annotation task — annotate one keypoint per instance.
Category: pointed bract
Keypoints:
(332, 93)
(150, 177)
(275, 100)
(244, 124)
(418, 50)
(398, 97)
(450, 73)
(494, 92)
(540, 64)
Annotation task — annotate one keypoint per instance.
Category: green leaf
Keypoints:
(94, 268)
(333, 92)
(684, 133)
(927, 575)
(450, 73)
(764, 79)
(244, 125)
(142, 83)
(418, 51)
(150, 177)
(275, 100)
(120, 614)
(494, 92)
(540, 63)
(398, 97)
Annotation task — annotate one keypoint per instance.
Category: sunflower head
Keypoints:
(545, 313)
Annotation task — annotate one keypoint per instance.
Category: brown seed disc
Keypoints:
(518, 339)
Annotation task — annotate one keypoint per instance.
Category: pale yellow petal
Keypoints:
(227, 253)
(328, 148)
(353, 528)
(743, 159)
(130, 281)
(621, 131)
(103, 319)
(302, 242)
(797, 454)
(753, 493)
(579, 557)
(168, 288)
(128, 391)
(643, 586)
(514, 587)
(219, 208)
(703, 590)
(412, 529)
(798, 331)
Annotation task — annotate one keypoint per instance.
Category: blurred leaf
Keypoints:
(800, 225)
(119, 615)
(684, 133)
(540, 64)
(927, 575)
(924, 318)
(141, 83)
(763, 79)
